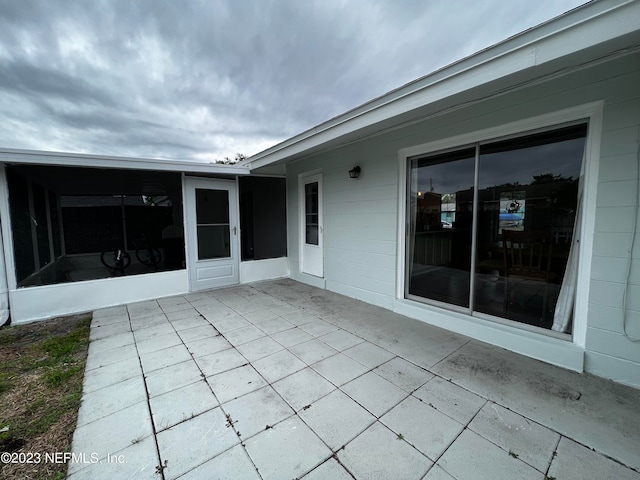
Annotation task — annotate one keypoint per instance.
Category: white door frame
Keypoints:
(211, 273)
(311, 255)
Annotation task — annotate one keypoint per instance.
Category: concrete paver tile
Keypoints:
(109, 356)
(172, 377)
(318, 327)
(181, 404)
(234, 464)
(422, 426)
(259, 348)
(341, 339)
(313, 351)
(378, 453)
(336, 419)
(104, 402)
(113, 432)
(458, 403)
(235, 383)
(158, 330)
(576, 462)
(197, 332)
(374, 393)
(257, 411)
(220, 362)
(278, 365)
(329, 469)
(533, 443)
(138, 460)
(471, 457)
(111, 374)
(339, 369)
(303, 448)
(437, 473)
(158, 343)
(292, 336)
(303, 388)
(274, 325)
(207, 346)
(244, 335)
(191, 443)
(403, 374)
(164, 358)
(368, 354)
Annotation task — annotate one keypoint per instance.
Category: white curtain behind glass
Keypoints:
(563, 316)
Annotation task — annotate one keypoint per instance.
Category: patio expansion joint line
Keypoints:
(466, 427)
(224, 412)
(554, 455)
(159, 467)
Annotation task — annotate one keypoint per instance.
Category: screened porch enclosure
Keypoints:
(491, 225)
(74, 224)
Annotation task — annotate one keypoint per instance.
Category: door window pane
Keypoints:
(311, 213)
(440, 225)
(527, 201)
(212, 206)
(213, 229)
(213, 242)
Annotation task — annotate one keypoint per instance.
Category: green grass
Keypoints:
(68, 345)
(41, 387)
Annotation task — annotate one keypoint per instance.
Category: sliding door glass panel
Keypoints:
(527, 200)
(213, 229)
(440, 211)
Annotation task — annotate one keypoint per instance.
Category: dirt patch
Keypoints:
(40, 391)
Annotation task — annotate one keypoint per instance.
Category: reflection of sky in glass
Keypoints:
(560, 158)
(447, 177)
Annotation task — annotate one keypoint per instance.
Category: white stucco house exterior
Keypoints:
(531, 147)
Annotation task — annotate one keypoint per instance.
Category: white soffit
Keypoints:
(585, 28)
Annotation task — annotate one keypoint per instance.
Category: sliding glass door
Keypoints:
(491, 226)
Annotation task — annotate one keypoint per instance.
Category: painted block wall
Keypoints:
(360, 221)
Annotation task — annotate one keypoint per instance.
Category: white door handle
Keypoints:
(235, 230)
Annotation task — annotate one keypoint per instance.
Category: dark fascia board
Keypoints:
(570, 34)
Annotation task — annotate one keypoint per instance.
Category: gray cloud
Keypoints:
(206, 79)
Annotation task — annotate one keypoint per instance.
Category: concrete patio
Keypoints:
(279, 380)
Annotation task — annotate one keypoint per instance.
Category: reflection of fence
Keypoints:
(432, 248)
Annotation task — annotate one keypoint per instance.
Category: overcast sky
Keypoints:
(201, 80)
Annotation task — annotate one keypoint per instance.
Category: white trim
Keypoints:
(267, 269)
(7, 237)
(191, 241)
(303, 179)
(542, 347)
(592, 112)
(36, 303)
(129, 163)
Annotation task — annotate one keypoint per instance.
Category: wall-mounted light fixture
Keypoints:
(354, 172)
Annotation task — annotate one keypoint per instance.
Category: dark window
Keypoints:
(212, 218)
(77, 220)
(263, 217)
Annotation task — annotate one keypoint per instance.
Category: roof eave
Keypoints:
(33, 157)
(562, 36)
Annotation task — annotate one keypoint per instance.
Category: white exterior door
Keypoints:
(311, 241)
(212, 228)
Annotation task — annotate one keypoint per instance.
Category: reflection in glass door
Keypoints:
(440, 213)
(525, 210)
